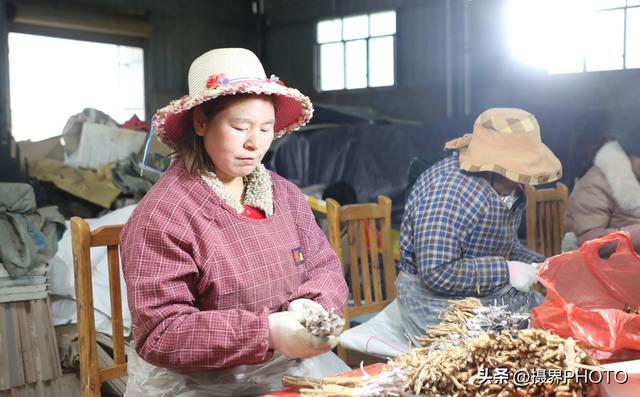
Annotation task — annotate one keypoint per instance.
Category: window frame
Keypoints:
(624, 67)
(95, 37)
(98, 24)
(624, 39)
(318, 60)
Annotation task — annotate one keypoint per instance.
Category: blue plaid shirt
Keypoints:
(457, 234)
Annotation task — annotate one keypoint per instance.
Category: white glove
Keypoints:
(306, 306)
(288, 336)
(522, 275)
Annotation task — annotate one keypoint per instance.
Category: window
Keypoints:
(357, 51)
(574, 36)
(51, 79)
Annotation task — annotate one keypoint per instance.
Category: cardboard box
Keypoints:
(101, 144)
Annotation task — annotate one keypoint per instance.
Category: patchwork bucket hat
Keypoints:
(507, 141)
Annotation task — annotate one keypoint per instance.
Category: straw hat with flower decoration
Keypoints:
(507, 141)
(231, 71)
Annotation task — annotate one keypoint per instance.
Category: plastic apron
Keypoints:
(148, 380)
(420, 306)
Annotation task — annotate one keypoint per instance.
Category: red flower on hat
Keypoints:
(217, 79)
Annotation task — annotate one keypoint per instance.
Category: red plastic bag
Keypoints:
(587, 296)
(134, 123)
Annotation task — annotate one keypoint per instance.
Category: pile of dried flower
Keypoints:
(476, 351)
(324, 324)
(389, 382)
(468, 365)
(468, 317)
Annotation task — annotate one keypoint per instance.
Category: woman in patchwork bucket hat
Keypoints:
(223, 260)
(459, 233)
(607, 197)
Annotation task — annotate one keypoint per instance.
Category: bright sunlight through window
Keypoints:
(52, 79)
(357, 51)
(570, 36)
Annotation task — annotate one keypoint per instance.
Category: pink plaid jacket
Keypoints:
(202, 279)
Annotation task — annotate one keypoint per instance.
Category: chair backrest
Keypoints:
(371, 265)
(545, 218)
(82, 239)
(317, 205)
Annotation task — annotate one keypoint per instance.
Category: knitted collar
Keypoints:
(258, 192)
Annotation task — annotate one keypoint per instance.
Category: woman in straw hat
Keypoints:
(459, 233)
(223, 260)
(607, 197)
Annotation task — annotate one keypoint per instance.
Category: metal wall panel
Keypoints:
(453, 59)
(419, 93)
(5, 113)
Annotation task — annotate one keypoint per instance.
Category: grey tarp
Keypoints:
(28, 236)
(128, 178)
(374, 159)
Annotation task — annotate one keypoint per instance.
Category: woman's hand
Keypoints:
(288, 336)
(304, 305)
(522, 275)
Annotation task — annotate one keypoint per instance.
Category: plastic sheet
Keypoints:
(148, 380)
(587, 296)
(381, 336)
(373, 159)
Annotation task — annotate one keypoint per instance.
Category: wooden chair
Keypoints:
(82, 239)
(369, 238)
(320, 206)
(317, 204)
(545, 218)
